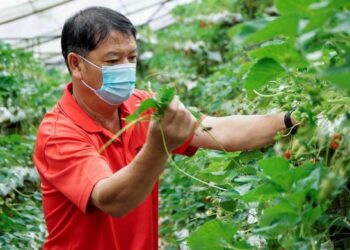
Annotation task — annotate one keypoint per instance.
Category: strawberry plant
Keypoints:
(293, 194)
(27, 92)
(237, 57)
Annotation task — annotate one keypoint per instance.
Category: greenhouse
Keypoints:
(175, 124)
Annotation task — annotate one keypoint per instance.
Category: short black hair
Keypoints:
(83, 31)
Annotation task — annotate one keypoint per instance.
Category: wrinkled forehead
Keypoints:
(117, 42)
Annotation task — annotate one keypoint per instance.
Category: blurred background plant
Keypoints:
(237, 57)
(259, 57)
(27, 92)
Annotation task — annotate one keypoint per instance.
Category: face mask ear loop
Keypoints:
(91, 63)
(87, 85)
(96, 93)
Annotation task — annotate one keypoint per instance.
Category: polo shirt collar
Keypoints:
(72, 109)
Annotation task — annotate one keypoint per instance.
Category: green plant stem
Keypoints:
(344, 100)
(116, 135)
(327, 152)
(212, 137)
(313, 244)
(184, 172)
(20, 193)
(266, 95)
(140, 119)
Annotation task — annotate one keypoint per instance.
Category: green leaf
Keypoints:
(340, 3)
(282, 214)
(318, 19)
(302, 176)
(166, 95)
(274, 166)
(242, 245)
(342, 222)
(309, 179)
(313, 215)
(343, 23)
(284, 26)
(213, 235)
(294, 6)
(282, 52)
(144, 106)
(338, 76)
(263, 192)
(228, 205)
(245, 170)
(241, 32)
(278, 171)
(297, 199)
(249, 156)
(264, 70)
(217, 176)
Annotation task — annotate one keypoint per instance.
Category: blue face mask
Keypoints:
(118, 82)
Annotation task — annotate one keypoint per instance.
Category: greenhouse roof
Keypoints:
(35, 25)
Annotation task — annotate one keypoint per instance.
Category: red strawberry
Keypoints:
(287, 154)
(334, 145)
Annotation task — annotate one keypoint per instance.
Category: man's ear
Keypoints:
(75, 65)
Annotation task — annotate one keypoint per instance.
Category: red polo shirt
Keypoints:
(69, 166)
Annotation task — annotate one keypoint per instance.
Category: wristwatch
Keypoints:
(289, 124)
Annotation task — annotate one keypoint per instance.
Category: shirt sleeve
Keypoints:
(74, 167)
(186, 149)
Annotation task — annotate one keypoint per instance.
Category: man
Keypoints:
(110, 200)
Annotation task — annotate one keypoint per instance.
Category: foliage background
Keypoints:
(27, 92)
(259, 57)
(237, 57)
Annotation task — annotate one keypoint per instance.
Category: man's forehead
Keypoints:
(119, 50)
(117, 42)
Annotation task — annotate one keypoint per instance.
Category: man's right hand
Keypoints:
(178, 124)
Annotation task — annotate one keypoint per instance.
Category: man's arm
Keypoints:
(238, 132)
(128, 187)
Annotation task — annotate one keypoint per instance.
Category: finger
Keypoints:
(180, 116)
(170, 111)
(192, 124)
(182, 123)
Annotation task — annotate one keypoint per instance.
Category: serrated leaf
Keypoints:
(318, 19)
(284, 26)
(248, 156)
(339, 76)
(241, 32)
(242, 245)
(282, 52)
(144, 106)
(262, 72)
(343, 24)
(166, 95)
(293, 6)
(260, 193)
(282, 214)
(313, 215)
(274, 166)
(278, 171)
(245, 170)
(213, 235)
(228, 205)
(341, 222)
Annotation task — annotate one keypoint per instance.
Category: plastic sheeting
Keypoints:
(36, 25)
